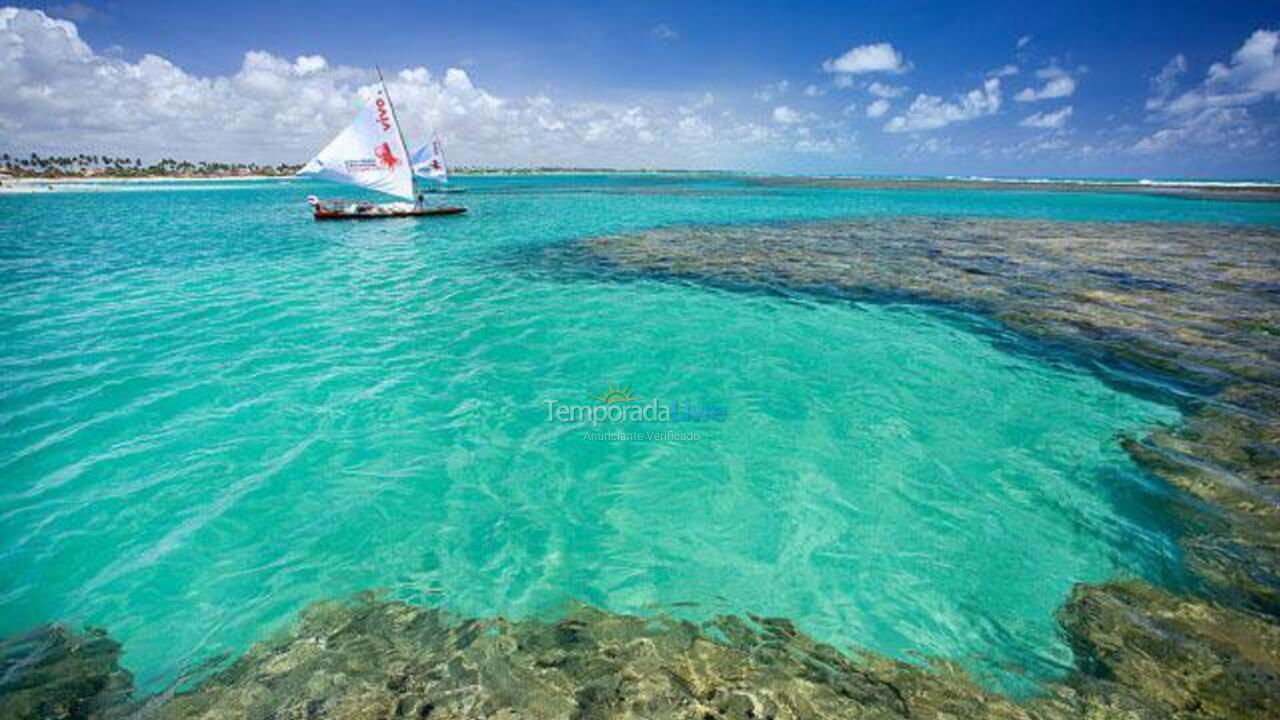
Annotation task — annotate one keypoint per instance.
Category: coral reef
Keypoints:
(374, 658)
(52, 672)
(1191, 658)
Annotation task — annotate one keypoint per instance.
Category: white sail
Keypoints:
(428, 161)
(369, 153)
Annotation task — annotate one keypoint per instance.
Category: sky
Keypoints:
(1078, 89)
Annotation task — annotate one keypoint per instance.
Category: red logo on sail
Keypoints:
(385, 157)
(384, 119)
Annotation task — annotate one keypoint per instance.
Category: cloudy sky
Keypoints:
(1008, 88)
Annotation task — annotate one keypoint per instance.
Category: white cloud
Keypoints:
(805, 145)
(786, 116)
(1024, 41)
(878, 108)
(929, 112)
(695, 128)
(58, 95)
(1255, 67)
(1215, 111)
(754, 133)
(1058, 84)
(1048, 120)
(663, 31)
(634, 118)
(459, 80)
(932, 145)
(882, 90)
(850, 109)
(308, 64)
(1003, 71)
(1165, 83)
(814, 91)
(1058, 145)
(877, 57)
(1231, 128)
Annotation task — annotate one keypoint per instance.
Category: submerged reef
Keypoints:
(1187, 311)
(373, 658)
(53, 672)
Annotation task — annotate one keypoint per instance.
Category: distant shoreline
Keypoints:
(30, 185)
(83, 179)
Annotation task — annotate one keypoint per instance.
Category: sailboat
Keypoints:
(370, 153)
(429, 163)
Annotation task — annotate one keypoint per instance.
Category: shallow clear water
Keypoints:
(214, 411)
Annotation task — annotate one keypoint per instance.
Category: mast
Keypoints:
(404, 147)
(439, 146)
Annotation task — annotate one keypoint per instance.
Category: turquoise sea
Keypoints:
(215, 411)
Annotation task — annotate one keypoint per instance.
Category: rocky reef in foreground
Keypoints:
(374, 659)
(1195, 303)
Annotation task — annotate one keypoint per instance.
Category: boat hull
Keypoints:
(331, 214)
